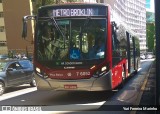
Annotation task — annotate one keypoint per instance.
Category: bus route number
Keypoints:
(83, 73)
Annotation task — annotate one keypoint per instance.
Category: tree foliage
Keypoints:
(38, 3)
(150, 37)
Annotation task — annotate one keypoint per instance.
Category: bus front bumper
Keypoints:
(93, 84)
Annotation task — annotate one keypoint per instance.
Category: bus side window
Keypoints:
(115, 45)
(115, 42)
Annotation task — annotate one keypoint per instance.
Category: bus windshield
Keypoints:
(70, 39)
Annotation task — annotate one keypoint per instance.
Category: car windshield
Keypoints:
(2, 65)
(3, 56)
(149, 53)
(26, 64)
(70, 39)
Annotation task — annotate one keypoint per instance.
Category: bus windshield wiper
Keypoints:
(58, 28)
(84, 25)
(86, 21)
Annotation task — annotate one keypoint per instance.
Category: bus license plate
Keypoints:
(70, 86)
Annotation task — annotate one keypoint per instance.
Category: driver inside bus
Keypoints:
(97, 51)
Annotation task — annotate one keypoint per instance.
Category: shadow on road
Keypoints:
(80, 97)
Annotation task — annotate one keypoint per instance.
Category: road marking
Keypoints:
(74, 107)
(23, 100)
(36, 112)
(144, 84)
(142, 90)
(140, 95)
(17, 93)
(97, 103)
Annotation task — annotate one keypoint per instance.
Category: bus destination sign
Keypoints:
(75, 12)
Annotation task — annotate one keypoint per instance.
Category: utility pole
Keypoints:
(157, 28)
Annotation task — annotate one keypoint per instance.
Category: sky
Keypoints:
(150, 5)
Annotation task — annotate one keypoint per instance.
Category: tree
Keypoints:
(73, 0)
(150, 37)
(38, 3)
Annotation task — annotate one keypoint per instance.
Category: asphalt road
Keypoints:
(130, 94)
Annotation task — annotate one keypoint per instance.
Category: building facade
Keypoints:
(133, 14)
(3, 40)
(13, 12)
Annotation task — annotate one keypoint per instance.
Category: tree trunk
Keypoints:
(43, 2)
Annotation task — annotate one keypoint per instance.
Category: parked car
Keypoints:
(150, 55)
(142, 56)
(14, 73)
(2, 57)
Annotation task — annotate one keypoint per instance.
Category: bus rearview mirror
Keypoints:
(24, 29)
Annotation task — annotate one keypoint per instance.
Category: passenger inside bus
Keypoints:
(97, 51)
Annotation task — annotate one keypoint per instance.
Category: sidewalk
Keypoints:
(149, 93)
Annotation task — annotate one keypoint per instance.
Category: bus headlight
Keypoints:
(38, 70)
(41, 73)
(104, 68)
(100, 72)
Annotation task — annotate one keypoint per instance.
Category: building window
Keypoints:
(2, 29)
(3, 43)
(101, 1)
(1, 14)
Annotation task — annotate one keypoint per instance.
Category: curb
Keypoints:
(142, 90)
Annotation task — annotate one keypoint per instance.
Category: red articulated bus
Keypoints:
(77, 47)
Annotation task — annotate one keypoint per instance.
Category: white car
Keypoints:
(142, 57)
(149, 56)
